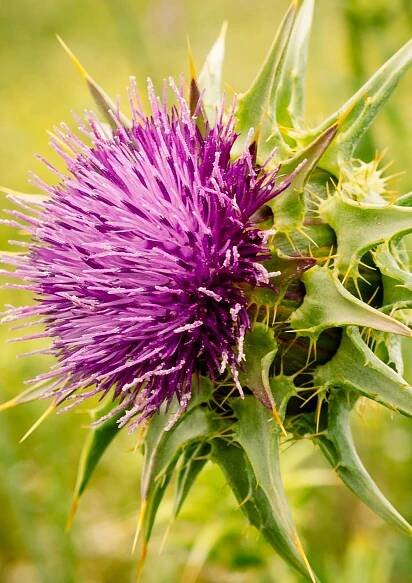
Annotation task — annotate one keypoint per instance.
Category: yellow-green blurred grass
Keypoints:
(39, 88)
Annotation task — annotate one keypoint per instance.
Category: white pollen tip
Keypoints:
(188, 327)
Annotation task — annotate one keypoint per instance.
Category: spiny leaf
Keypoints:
(163, 448)
(252, 500)
(230, 457)
(328, 304)
(362, 108)
(289, 93)
(359, 226)
(254, 105)
(260, 345)
(390, 269)
(289, 208)
(210, 78)
(194, 458)
(97, 441)
(337, 444)
(102, 100)
(293, 265)
(258, 436)
(282, 388)
(356, 367)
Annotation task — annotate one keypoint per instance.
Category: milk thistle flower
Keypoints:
(140, 257)
(228, 277)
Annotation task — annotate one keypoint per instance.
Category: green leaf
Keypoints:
(360, 226)
(396, 278)
(230, 457)
(252, 499)
(337, 444)
(289, 208)
(260, 349)
(210, 78)
(193, 460)
(357, 368)
(163, 448)
(273, 392)
(97, 441)
(258, 436)
(282, 388)
(328, 304)
(361, 109)
(289, 93)
(254, 107)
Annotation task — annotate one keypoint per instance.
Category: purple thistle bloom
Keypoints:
(141, 258)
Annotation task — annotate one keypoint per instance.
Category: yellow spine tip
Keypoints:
(73, 59)
(278, 420)
(39, 421)
(142, 513)
(192, 67)
(72, 512)
(8, 404)
(141, 563)
(223, 30)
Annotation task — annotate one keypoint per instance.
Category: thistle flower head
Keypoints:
(141, 257)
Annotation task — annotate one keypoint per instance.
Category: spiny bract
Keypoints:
(325, 332)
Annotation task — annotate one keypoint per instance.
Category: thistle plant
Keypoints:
(224, 278)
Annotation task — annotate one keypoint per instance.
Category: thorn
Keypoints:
(141, 563)
(302, 232)
(291, 242)
(140, 519)
(345, 113)
(278, 420)
(373, 296)
(165, 537)
(267, 316)
(246, 499)
(318, 411)
(304, 557)
(73, 509)
(312, 396)
(314, 195)
(192, 66)
(275, 311)
(303, 369)
(74, 59)
(9, 404)
(39, 421)
(367, 266)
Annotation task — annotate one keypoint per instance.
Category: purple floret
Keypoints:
(141, 258)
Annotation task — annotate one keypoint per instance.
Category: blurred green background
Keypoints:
(211, 542)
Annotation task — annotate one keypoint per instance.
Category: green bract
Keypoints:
(329, 335)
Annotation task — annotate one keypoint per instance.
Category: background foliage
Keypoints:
(211, 542)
